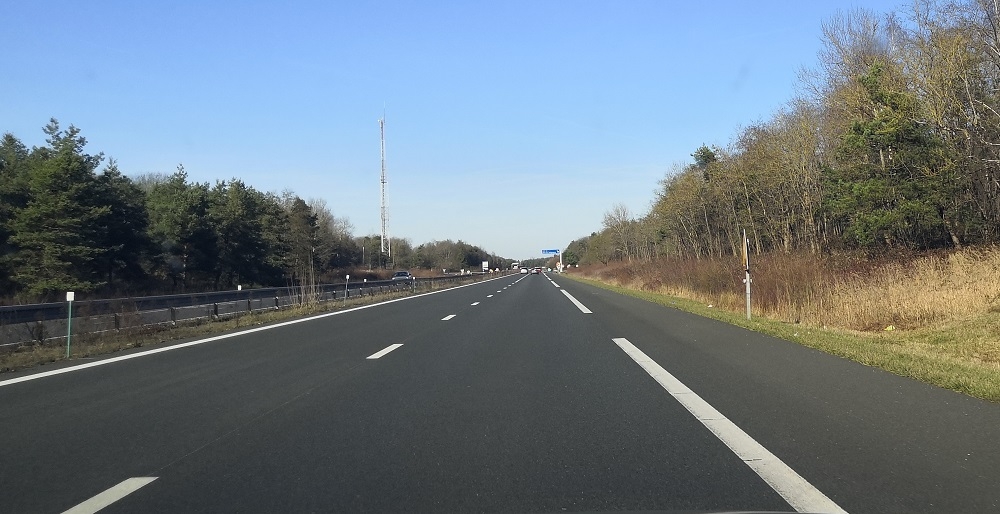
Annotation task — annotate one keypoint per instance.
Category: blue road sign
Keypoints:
(547, 252)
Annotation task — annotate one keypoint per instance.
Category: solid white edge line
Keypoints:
(115, 493)
(136, 355)
(383, 351)
(448, 317)
(800, 494)
(576, 302)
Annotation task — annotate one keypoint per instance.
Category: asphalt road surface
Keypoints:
(527, 393)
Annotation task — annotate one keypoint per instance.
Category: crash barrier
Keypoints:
(46, 323)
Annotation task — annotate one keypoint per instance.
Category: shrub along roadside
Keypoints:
(957, 355)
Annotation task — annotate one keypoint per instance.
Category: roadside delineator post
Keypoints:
(346, 284)
(746, 268)
(70, 295)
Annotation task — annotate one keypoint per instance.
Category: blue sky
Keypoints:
(510, 125)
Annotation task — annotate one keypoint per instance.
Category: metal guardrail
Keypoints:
(46, 322)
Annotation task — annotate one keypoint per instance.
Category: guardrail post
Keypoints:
(173, 315)
(249, 305)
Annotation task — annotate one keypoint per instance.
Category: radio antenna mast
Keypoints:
(386, 247)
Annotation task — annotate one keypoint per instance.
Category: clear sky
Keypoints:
(511, 125)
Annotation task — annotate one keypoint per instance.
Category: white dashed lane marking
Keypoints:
(576, 302)
(383, 351)
(110, 496)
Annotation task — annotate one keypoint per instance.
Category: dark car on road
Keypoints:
(402, 275)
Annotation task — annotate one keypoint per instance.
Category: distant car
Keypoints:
(402, 275)
(535, 271)
(524, 271)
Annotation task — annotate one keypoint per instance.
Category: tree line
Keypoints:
(893, 145)
(66, 224)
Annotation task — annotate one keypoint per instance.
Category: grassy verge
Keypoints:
(959, 355)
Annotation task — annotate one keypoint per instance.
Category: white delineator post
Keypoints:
(746, 268)
(70, 295)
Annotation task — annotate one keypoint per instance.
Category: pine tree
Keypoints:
(180, 228)
(13, 197)
(125, 239)
(58, 231)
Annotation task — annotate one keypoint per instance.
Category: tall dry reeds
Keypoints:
(846, 291)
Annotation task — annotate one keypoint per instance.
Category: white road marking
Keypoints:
(499, 291)
(554, 283)
(448, 317)
(110, 496)
(384, 351)
(576, 302)
(799, 493)
(475, 303)
(136, 355)
(489, 296)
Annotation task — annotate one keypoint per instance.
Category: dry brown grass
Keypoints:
(930, 290)
(843, 291)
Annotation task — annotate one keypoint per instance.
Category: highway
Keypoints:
(526, 393)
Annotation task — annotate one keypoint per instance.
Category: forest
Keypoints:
(69, 224)
(891, 147)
